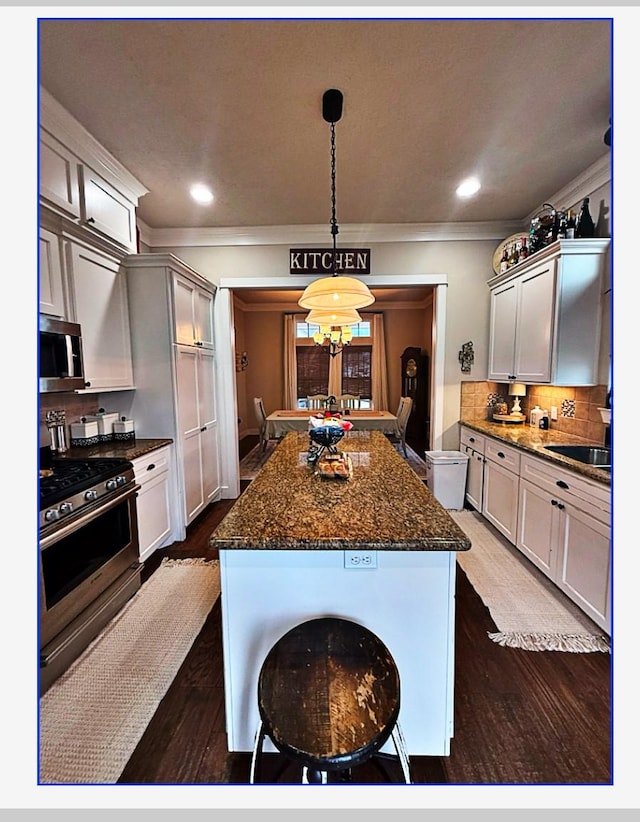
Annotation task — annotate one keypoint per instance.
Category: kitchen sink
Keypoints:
(590, 454)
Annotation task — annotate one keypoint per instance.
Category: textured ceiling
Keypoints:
(237, 104)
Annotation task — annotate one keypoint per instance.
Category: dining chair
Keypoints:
(261, 419)
(403, 413)
(348, 401)
(317, 401)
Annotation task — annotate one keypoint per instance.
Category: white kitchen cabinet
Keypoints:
(90, 191)
(500, 490)
(52, 287)
(564, 528)
(473, 444)
(197, 427)
(175, 393)
(59, 184)
(546, 315)
(193, 313)
(100, 305)
(154, 505)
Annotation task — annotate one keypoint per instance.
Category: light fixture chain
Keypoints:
(334, 222)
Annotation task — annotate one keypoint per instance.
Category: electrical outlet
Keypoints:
(360, 559)
(554, 412)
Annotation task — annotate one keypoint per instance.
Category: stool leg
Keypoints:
(401, 750)
(257, 752)
(311, 776)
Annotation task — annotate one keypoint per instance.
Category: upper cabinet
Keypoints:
(82, 183)
(546, 316)
(193, 311)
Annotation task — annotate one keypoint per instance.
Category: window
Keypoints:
(312, 369)
(356, 370)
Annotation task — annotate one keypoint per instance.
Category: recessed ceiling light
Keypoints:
(468, 187)
(201, 194)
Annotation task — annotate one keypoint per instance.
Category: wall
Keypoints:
(466, 264)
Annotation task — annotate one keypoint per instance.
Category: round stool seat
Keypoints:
(329, 694)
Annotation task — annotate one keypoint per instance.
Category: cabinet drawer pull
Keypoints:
(562, 484)
(501, 455)
(151, 466)
(472, 439)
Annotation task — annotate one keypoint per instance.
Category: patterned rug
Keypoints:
(256, 458)
(529, 611)
(93, 716)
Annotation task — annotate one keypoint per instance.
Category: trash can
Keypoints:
(447, 477)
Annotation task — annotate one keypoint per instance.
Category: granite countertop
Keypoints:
(383, 506)
(129, 449)
(533, 441)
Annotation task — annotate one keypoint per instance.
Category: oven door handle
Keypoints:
(101, 508)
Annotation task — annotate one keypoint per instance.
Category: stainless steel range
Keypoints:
(89, 560)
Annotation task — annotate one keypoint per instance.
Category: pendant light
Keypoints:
(337, 291)
(335, 328)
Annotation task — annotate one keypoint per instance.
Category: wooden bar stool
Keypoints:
(329, 698)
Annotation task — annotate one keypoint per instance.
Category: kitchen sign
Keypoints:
(320, 261)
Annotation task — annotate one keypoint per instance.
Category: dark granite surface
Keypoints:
(533, 441)
(130, 450)
(384, 506)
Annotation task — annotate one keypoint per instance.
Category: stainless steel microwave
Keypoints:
(61, 366)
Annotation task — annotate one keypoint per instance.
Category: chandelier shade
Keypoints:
(338, 291)
(347, 316)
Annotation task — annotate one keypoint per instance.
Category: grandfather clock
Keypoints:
(414, 383)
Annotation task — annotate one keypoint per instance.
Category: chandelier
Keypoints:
(336, 292)
(335, 328)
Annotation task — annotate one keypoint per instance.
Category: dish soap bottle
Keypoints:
(544, 420)
(535, 416)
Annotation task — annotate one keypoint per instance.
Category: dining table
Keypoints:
(283, 421)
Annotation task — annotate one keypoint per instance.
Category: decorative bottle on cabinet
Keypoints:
(571, 225)
(585, 226)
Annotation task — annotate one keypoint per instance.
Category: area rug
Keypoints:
(256, 458)
(93, 716)
(529, 611)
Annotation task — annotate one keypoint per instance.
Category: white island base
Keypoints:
(407, 599)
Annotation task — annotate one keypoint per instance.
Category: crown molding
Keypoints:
(591, 179)
(64, 127)
(306, 234)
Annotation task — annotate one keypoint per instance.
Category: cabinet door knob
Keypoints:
(90, 219)
(554, 502)
(204, 428)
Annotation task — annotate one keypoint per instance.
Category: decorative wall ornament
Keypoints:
(465, 356)
(242, 361)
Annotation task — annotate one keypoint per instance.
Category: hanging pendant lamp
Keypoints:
(336, 292)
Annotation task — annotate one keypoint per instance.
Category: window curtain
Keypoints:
(335, 375)
(379, 381)
(290, 397)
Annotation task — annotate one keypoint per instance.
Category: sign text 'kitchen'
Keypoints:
(320, 261)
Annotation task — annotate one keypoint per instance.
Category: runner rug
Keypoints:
(529, 611)
(93, 716)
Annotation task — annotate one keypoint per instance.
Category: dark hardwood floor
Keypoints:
(521, 717)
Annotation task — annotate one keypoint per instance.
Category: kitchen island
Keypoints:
(377, 548)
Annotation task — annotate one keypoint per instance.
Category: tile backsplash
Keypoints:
(577, 406)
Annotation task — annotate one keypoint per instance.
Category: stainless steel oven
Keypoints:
(89, 557)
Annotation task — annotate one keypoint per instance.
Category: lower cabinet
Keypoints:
(473, 444)
(500, 492)
(564, 528)
(155, 527)
(558, 519)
